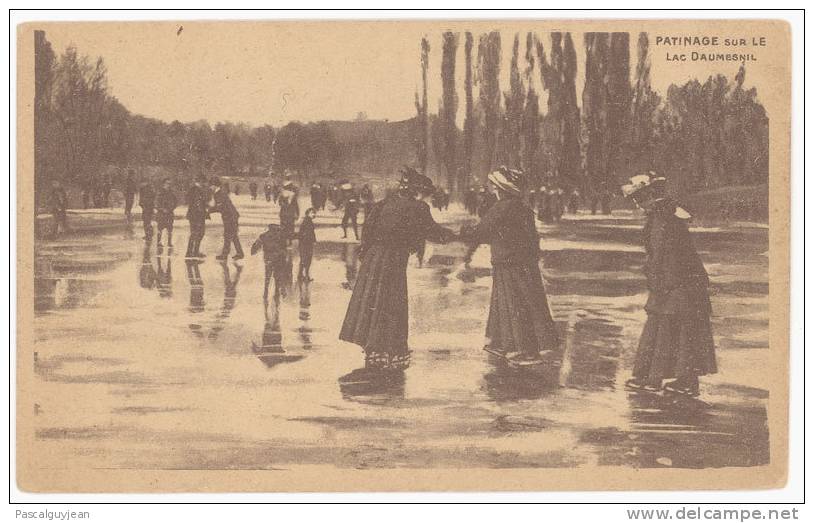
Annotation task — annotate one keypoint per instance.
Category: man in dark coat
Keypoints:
(165, 205)
(289, 209)
(58, 205)
(306, 238)
(197, 214)
(677, 338)
(129, 191)
(253, 189)
(471, 201)
(146, 200)
(316, 195)
(229, 216)
(377, 315)
(351, 214)
(273, 243)
(267, 190)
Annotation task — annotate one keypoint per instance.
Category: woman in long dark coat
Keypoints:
(677, 338)
(520, 325)
(377, 315)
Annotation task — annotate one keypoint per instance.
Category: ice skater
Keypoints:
(676, 342)
(520, 326)
(229, 216)
(273, 243)
(165, 205)
(306, 238)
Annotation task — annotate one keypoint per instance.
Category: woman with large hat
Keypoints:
(676, 342)
(520, 325)
(377, 316)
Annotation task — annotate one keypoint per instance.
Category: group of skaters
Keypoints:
(676, 343)
(345, 196)
(208, 196)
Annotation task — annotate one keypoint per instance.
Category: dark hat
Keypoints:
(413, 180)
(214, 181)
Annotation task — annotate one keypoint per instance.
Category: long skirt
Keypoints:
(675, 346)
(519, 316)
(377, 317)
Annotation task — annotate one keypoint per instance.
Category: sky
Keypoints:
(273, 73)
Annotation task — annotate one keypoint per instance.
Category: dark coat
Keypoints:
(146, 197)
(306, 234)
(224, 205)
(485, 202)
(377, 315)
(165, 205)
(676, 277)
(197, 198)
(520, 319)
(273, 243)
(508, 226)
(289, 209)
(166, 201)
(676, 341)
(351, 207)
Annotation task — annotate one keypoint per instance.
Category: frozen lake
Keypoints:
(145, 361)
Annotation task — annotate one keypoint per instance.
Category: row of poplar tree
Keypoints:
(700, 135)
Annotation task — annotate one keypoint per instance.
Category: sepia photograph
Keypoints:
(402, 255)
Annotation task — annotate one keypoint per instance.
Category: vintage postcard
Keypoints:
(508, 255)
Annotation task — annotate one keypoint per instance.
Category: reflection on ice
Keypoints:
(140, 334)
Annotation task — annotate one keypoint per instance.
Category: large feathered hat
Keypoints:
(509, 180)
(643, 181)
(413, 180)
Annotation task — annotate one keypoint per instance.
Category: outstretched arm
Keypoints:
(431, 230)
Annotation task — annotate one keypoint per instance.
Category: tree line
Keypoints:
(700, 136)
(82, 133)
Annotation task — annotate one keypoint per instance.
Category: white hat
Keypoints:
(640, 181)
(506, 179)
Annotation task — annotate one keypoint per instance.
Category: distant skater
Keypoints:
(289, 209)
(273, 243)
(351, 216)
(229, 216)
(129, 191)
(58, 205)
(676, 342)
(197, 214)
(146, 200)
(306, 238)
(165, 205)
(267, 190)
